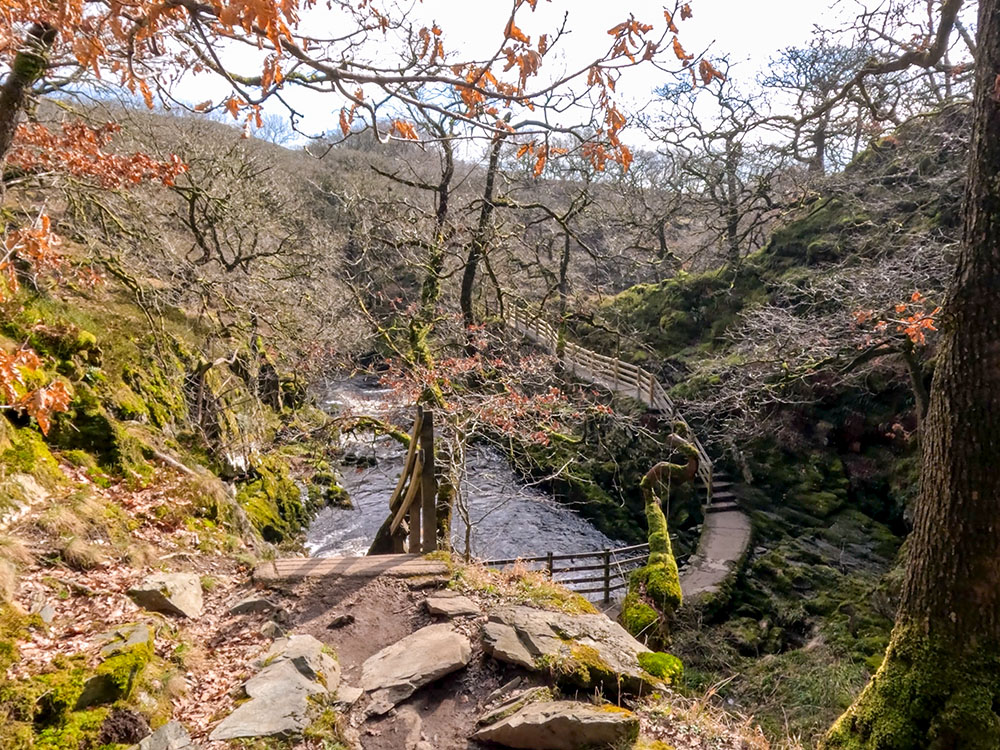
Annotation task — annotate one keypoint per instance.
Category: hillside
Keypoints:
(193, 442)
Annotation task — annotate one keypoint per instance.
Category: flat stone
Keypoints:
(283, 715)
(522, 636)
(294, 669)
(308, 656)
(171, 736)
(514, 702)
(397, 671)
(562, 725)
(271, 629)
(125, 637)
(253, 605)
(279, 678)
(172, 593)
(347, 696)
(450, 604)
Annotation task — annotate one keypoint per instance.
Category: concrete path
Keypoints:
(725, 537)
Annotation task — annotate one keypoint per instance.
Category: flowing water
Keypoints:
(509, 518)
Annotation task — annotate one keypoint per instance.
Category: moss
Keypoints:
(926, 695)
(273, 500)
(88, 426)
(25, 451)
(666, 667)
(79, 729)
(581, 666)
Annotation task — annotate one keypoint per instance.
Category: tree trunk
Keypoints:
(481, 237)
(939, 685)
(564, 280)
(28, 66)
(734, 153)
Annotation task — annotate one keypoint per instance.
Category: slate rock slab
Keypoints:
(523, 636)
(450, 604)
(171, 593)
(125, 637)
(562, 725)
(309, 656)
(171, 736)
(294, 669)
(397, 671)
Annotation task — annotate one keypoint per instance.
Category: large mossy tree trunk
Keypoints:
(939, 685)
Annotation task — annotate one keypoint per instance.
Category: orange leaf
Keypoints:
(679, 51)
(512, 32)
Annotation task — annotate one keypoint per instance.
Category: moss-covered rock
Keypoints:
(273, 501)
(89, 427)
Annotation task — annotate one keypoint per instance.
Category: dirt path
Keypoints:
(438, 717)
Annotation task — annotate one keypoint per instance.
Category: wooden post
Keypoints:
(413, 516)
(428, 488)
(607, 574)
(548, 564)
(652, 391)
(616, 376)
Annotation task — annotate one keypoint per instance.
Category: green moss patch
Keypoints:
(666, 667)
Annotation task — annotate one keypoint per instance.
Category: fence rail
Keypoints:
(612, 373)
(613, 568)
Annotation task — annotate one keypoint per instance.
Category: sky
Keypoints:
(748, 33)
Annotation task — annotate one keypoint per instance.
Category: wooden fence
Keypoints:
(612, 373)
(415, 497)
(598, 572)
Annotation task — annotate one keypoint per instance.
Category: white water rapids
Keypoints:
(509, 518)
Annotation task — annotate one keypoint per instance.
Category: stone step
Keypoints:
(722, 507)
(724, 495)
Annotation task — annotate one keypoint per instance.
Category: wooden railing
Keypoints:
(603, 571)
(415, 497)
(612, 373)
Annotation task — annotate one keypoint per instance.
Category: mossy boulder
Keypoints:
(273, 501)
(89, 427)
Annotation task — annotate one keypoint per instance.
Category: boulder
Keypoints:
(563, 725)
(309, 656)
(172, 593)
(397, 671)
(171, 736)
(450, 604)
(283, 715)
(586, 650)
(293, 670)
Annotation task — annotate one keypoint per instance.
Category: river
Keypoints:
(509, 518)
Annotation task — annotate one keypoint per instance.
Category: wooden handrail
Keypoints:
(610, 573)
(418, 505)
(613, 373)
